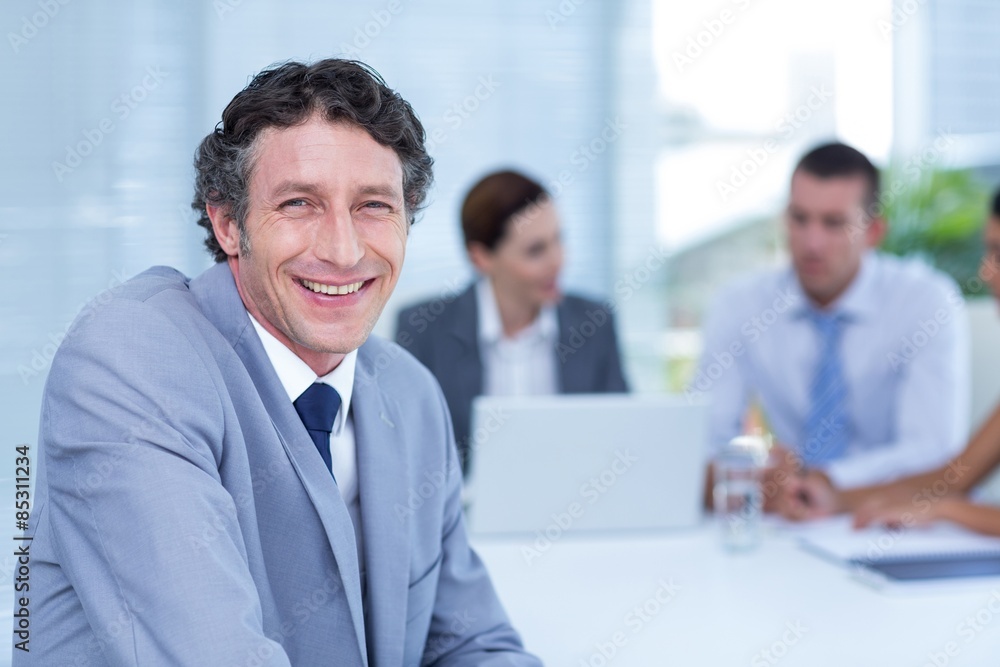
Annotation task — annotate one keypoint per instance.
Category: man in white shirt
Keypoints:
(859, 361)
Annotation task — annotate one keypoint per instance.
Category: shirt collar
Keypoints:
(546, 325)
(858, 301)
(296, 376)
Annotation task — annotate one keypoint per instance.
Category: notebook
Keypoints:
(933, 556)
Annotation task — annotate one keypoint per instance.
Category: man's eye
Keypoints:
(376, 204)
(295, 202)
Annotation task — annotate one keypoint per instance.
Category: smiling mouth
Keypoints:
(333, 290)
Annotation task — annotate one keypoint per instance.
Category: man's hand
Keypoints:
(782, 467)
(808, 496)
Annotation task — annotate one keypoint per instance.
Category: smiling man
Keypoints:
(218, 486)
(859, 361)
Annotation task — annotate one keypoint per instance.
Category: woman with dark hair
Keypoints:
(512, 332)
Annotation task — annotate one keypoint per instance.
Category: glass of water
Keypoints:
(737, 495)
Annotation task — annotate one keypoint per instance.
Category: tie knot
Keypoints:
(318, 406)
(828, 324)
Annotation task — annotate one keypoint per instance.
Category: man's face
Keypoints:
(990, 269)
(326, 230)
(828, 232)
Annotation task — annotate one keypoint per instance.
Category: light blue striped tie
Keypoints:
(827, 428)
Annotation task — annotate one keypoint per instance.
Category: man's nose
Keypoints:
(814, 236)
(556, 256)
(337, 240)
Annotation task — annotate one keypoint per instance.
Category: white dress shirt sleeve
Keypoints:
(933, 397)
(719, 377)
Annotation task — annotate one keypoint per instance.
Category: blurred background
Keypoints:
(665, 130)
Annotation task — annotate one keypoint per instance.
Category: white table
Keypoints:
(576, 603)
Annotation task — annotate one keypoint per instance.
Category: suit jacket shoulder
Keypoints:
(168, 445)
(450, 314)
(587, 351)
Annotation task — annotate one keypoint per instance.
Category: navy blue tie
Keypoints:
(827, 428)
(317, 408)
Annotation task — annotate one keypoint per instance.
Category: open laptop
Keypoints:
(571, 463)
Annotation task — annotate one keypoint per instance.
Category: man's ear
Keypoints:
(481, 257)
(875, 232)
(227, 232)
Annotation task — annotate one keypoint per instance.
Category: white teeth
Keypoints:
(333, 289)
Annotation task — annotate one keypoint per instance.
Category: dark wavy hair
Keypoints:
(288, 94)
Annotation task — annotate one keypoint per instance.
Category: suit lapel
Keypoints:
(222, 305)
(464, 344)
(566, 354)
(383, 478)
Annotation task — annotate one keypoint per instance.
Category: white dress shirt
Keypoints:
(520, 365)
(296, 376)
(904, 353)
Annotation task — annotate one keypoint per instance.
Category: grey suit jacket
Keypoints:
(444, 336)
(184, 517)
